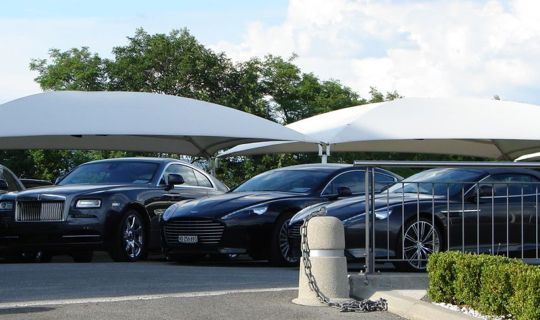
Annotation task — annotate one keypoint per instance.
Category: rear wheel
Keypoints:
(421, 238)
(130, 240)
(280, 252)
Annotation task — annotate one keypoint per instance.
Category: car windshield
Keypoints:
(297, 181)
(112, 172)
(440, 182)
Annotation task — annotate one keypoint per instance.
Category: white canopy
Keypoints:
(130, 121)
(474, 127)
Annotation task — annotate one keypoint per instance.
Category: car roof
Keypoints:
(144, 159)
(316, 166)
(492, 171)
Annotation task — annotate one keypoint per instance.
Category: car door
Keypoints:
(514, 212)
(8, 182)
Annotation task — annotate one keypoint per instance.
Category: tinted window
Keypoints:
(186, 173)
(439, 181)
(299, 181)
(513, 182)
(115, 172)
(202, 179)
(353, 180)
(9, 180)
(383, 181)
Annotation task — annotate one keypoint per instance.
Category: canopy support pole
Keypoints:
(324, 152)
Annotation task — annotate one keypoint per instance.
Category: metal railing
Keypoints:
(483, 216)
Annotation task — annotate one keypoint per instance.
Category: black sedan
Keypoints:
(110, 205)
(253, 218)
(473, 210)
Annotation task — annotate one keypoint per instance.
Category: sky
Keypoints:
(420, 48)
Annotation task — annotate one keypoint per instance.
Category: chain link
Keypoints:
(349, 306)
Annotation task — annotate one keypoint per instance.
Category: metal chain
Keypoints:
(349, 306)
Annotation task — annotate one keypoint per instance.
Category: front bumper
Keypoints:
(53, 236)
(214, 237)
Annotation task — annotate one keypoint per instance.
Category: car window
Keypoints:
(186, 173)
(124, 172)
(9, 180)
(202, 180)
(383, 181)
(514, 183)
(353, 180)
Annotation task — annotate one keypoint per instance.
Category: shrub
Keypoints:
(494, 285)
(525, 302)
(495, 288)
(441, 276)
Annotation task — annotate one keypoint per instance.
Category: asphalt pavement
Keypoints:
(155, 290)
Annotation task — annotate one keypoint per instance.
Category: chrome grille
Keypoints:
(207, 231)
(294, 230)
(35, 211)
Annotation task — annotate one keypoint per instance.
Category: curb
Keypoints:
(413, 309)
(404, 293)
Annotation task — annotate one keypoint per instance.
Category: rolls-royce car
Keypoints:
(253, 218)
(473, 210)
(110, 205)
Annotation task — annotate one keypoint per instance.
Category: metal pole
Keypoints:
(367, 223)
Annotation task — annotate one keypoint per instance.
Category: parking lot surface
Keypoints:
(155, 290)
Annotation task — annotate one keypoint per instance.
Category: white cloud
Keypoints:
(419, 48)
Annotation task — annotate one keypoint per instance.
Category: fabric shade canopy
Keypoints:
(474, 127)
(131, 121)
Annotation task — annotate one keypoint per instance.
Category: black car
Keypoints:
(35, 183)
(472, 210)
(253, 218)
(110, 205)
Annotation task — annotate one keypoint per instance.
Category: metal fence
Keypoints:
(408, 221)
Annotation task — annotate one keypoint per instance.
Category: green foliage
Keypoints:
(524, 304)
(441, 272)
(494, 285)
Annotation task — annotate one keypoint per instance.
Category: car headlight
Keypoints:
(6, 205)
(302, 214)
(380, 214)
(258, 210)
(88, 203)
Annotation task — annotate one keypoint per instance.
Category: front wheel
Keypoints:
(420, 239)
(130, 240)
(280, 251)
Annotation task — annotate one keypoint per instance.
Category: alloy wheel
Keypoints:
(420, 240)
(284, 245)
(133, 236)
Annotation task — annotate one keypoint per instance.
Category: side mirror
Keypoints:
(3, 185)
(172, 180)
(344, 192)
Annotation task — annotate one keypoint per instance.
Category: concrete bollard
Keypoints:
(326, 242)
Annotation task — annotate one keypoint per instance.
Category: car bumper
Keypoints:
(53, 236)
(214, 237)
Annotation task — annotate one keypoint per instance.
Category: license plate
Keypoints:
(188, 239)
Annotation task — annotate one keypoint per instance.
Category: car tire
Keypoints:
(280, 247)
(413, 249)
(129, 243)
(82, 256)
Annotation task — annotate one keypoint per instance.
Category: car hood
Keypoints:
(221, 205)
(64, 191)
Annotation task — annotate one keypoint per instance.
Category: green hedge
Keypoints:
(493, 285)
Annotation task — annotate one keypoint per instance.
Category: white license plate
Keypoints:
(188, 239)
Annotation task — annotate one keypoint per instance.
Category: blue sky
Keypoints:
(437, 48)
